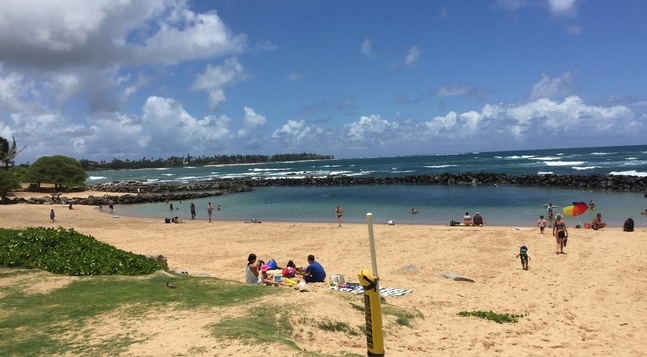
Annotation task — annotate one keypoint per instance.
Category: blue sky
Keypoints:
(131, 79)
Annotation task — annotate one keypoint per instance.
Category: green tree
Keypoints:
(8, 182)
(62, 171)
(8, 153)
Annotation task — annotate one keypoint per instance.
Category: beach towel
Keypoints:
(359, 289)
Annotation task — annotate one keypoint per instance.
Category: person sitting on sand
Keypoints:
(176, 219)
(314, 272)
(467, 219)
(252, 274)
(478, 220)
(266, 278)
(523, 253)
(597, 222)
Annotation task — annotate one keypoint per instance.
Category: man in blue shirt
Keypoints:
(314, 272)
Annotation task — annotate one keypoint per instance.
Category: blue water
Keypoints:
(436, 204)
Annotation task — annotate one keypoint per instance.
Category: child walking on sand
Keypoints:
(541, 223)
(523, 253)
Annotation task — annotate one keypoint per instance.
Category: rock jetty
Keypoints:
(139, 192)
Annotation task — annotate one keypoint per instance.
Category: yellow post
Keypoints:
(372, 303)
(373, 313)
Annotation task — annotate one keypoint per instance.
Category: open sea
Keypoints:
(506, 205)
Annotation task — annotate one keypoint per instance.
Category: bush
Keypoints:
(68, 252)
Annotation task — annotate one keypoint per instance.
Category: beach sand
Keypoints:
(588, 302)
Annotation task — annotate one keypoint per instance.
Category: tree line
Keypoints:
(67, 172)
(188, 160)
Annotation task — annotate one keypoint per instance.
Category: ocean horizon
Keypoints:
(507, 205)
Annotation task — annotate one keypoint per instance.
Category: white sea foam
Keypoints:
(581, 168)
(402, 171)
(96, 177)
(438, 166)
(544, 173)
(628, 173)
(544, 158)
(168, 174)
(602, 153)
(152, 180)
(263, 170)
(330, 166)
(161, 169)
(563, 163)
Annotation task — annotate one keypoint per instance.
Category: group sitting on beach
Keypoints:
(258, 272)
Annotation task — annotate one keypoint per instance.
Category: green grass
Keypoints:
(492, 316)
(45, 324)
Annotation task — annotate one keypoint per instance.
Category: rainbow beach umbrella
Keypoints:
(576, 209)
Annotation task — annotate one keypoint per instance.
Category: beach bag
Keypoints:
(629, 225)
(336, 280)
(272, 264)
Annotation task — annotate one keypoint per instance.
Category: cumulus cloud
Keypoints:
(511, 4)
(574, 29)
(412, 56)
(296, 132)
(371, 130)
(252, 121)
(547, 87)
(215, 78)
(367, 48)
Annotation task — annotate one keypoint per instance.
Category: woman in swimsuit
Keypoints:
(339, 212)
(560, 232)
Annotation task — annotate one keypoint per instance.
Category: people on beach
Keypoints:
(467, 219)
(597, 222)
(192, 208)
(314, 272)
(523, 254)
(628, 226)
(549, 209)
(560, 232)
(176, 219)
(644, 212)
(70, 206)
(209, 210)
(218, 208)
(591, 204)
(413, 211)
(52, 216)
(111, 205)
(478, 220)
(252, 273)
(541, 223)
(339, 212)
(170, 207)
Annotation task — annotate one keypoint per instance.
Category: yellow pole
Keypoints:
(372, 303)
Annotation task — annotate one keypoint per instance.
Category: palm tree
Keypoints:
(8, 154)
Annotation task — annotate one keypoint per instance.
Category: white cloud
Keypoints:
(252, 121)
(13, 88)
(215, 78)
(562, 7)
(561, 86)
(371, 130)
(367, 48)
(296, 132)
(412, 56)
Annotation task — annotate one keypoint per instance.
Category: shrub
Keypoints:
(68, 252)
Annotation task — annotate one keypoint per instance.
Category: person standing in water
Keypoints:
(209, 210)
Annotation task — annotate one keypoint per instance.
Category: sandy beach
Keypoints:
(588, 302)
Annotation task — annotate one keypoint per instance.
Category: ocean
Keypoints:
(506, 205)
